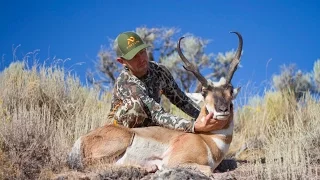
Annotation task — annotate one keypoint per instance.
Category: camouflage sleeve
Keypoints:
(136, 89)
(177, 96)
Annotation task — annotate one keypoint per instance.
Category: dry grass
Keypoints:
(44, 109)
(279, 136)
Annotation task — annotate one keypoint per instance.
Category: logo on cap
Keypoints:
(132, 41)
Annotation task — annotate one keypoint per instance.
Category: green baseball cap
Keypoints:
(129, 44)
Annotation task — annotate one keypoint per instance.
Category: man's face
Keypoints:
(139, 64)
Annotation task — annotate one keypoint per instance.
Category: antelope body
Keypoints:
(157, 147)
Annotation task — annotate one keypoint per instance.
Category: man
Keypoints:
(138, 89)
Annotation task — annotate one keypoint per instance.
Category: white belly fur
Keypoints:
(145, 152)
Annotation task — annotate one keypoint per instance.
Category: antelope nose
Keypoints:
(223, 108)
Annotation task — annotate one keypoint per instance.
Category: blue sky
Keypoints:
(274, 32)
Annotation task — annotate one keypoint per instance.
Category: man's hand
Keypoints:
(208, 123)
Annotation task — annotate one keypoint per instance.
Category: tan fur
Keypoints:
(105, 143)
(203, 111)
(182, 150)
(160, 134)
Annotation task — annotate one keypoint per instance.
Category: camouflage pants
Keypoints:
(130, 113)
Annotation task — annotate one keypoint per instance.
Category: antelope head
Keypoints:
(217, 96)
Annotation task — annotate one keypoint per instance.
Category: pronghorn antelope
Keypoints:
(157, 147)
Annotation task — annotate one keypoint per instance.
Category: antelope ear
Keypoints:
(235, 92)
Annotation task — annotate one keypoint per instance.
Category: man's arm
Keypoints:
(135, 90)
(177, 96)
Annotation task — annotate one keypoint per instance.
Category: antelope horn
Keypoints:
(190, 67)
(235, 61)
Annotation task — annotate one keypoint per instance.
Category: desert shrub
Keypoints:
(42, 111)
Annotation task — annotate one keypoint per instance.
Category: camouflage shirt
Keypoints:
(136, 101)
